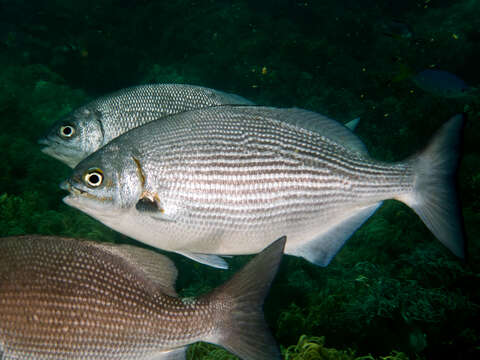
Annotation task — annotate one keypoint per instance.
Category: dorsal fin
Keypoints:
(352, 125)
(156, 267)
(322, 125)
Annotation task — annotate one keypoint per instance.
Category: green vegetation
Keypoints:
(313, 348)
(307, 348)
(204, 351)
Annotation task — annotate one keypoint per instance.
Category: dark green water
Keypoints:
(393, 288)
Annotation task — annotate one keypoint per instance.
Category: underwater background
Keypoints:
(393, 291)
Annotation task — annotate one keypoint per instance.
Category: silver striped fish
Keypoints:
(227, 180)
(65, 299)
(94, 124)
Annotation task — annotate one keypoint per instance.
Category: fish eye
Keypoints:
(67, 131)
(93, 177)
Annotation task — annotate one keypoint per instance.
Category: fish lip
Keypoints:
(79, 194)
(44, 141)
(76, 191)
(49, 141)
(82, 201)
(48, 146)
(58, 151)
(67, 186)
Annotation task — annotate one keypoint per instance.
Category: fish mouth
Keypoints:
(99, 210)
(59, 152)
(82, 199)
(49, 143)
(44, 141)
(48, 146)
(76, 192)
(65, 185)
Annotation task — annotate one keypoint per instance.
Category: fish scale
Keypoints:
(227, 180)
(67, 299)
(135, 106)
(214, 167)
(91, 279)
(96, 123)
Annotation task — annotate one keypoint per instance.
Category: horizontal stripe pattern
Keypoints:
(230, 167)
(132, 107)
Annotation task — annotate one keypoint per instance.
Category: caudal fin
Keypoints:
(434, 198)
(241, 326)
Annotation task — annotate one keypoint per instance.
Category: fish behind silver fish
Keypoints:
(94, 124)
(65, 299)
(442, 83)
(227, 180)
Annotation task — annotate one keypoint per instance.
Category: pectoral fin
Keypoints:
(206, 259)
(151, 205)
(149, 202)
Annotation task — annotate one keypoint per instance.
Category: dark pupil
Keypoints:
(67, 130)
(94, 179)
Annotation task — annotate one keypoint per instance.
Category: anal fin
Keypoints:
(206, 259)
(324, 247)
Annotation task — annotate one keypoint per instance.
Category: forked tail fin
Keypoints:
(434, 196)
(241, 326)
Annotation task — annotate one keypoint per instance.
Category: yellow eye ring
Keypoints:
(66, 131)
(93, 178)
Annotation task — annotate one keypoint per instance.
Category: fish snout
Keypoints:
(65, 185)
(43, 141)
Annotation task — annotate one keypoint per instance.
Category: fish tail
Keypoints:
(241, 327)
(434, 196)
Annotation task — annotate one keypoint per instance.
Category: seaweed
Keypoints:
(307, 348)
(204, 351)
(313, 348)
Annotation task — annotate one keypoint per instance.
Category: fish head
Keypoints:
(104, 184)
(74, 137)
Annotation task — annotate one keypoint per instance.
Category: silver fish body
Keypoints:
(65, 299)
(227, 180)
(94, 124)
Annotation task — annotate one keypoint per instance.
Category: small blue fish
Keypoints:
(441, 83)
